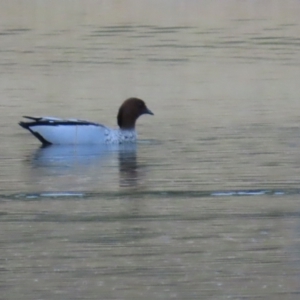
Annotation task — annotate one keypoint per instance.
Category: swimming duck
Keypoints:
(50, 130)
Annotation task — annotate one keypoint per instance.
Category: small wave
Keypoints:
(154, 194)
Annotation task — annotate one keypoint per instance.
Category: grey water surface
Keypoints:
(206, 205)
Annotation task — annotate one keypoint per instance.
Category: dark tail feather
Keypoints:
(24, 125)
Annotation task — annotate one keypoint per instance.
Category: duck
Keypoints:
(56, 131)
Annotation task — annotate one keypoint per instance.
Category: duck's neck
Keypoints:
(127, 129)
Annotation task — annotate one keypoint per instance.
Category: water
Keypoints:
(206, 206)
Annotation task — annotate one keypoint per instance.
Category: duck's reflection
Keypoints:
(91, 164)
(128, 168)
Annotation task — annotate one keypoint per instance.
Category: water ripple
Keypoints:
(154, 194)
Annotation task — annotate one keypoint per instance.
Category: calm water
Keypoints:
(207, 205)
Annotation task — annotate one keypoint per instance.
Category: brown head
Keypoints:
(129, 112)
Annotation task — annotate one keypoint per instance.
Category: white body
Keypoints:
(71, 131)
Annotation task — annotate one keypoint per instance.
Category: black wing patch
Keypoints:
(40, 121)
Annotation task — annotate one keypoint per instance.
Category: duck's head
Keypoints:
(129, 112)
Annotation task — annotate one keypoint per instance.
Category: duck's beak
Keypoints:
(148, 111)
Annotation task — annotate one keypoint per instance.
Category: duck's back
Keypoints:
(71, 131)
